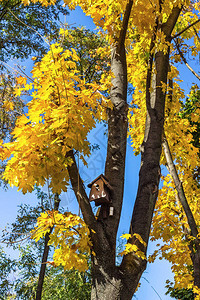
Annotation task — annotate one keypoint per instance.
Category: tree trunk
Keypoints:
(43, 266)
(106, 282)
(195, 256)
(117, 138)
(45, 255)
(109, 281)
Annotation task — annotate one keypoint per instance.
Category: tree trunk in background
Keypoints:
(194, 245)
(45, 255)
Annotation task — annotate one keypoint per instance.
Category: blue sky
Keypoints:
(153, 279)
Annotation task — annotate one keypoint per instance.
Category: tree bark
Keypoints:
(196, 264)
(149, 175)
(45, 255)
(179, 188)
(185, 61)
(108, 280)
(43, 266)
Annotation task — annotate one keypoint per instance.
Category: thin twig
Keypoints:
(182, 31)
(7, 65)
(29, 27)
(196, 33)
(185, 61)
(14, 233)
(152, 288)
(25, 73)
(15, 242)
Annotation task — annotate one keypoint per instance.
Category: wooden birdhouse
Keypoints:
(100, 190)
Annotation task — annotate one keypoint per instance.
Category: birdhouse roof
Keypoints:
(103, 178)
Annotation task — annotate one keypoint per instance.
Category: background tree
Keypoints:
(10, 108)
(20, 25)
(181, 294)
(183, 221)
(23, 29)
(6, 267)
(20, 277)
(86, 43)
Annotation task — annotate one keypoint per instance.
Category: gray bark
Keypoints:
(194, 246)
(106, 277)
(179, 188)
(185, 61)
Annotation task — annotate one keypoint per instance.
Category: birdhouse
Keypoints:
(100, 190)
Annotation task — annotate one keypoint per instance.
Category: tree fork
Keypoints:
(107, 279)
(149, 175)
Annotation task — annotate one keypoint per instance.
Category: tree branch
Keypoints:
(179, 188)
(196, 33)
(150, 65)
(185, 61)
(160, 5)
(151, 149)
(5, 9)
(79, 190)
(182, 31)
(170, 88)
(123, 31)
(171, 21)
(194, 252)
